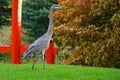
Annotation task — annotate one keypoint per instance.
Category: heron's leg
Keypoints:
(33, 61)
(43, 58)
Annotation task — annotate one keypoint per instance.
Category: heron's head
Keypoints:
(55, 7)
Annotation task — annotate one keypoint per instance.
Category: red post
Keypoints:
(50, 54)
(16, 31)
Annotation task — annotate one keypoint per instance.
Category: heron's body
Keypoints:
(37, 46)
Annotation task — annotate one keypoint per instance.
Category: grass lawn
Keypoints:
(56, 72)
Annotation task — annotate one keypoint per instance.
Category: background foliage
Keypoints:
(5, 12)
(35, 17)
(90, 29)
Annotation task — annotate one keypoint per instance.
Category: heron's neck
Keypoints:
(50, 27)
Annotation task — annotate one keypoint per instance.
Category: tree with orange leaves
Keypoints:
(89, 30)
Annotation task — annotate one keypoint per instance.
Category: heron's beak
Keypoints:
(59, 7)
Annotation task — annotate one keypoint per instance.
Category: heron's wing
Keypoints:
(41, 42)
(37, 46)
(31, 50)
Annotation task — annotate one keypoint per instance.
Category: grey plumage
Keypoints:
(42, 43)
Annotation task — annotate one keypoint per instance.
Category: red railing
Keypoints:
(5, 48)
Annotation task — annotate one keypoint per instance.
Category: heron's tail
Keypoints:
(26, 54)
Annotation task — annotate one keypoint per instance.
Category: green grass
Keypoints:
(56, 72)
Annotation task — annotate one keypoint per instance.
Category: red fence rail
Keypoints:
(5, 48)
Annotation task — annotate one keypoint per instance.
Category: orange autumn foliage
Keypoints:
(90, 31)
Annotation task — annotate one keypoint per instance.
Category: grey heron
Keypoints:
(42, 43)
